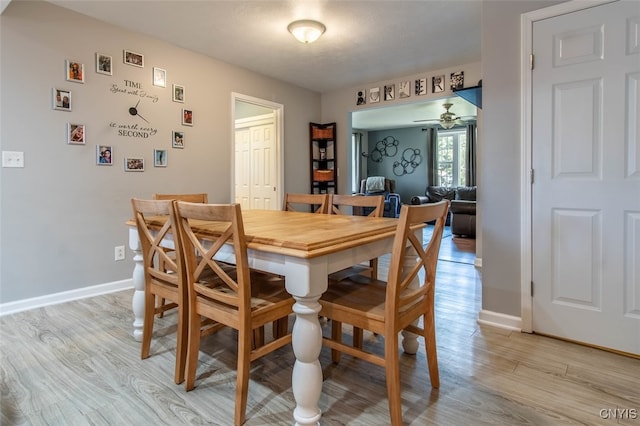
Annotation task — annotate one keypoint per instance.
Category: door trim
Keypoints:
(526, 238)
(278, 113)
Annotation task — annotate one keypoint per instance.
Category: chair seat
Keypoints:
(264, 293)
(351, 295)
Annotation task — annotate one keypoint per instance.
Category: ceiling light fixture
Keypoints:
(306, 30)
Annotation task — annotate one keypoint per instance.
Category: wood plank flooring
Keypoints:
(77, 364)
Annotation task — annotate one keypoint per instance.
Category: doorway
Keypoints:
(257, 155)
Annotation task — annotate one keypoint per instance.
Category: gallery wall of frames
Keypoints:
(405, 88)
(150, 88)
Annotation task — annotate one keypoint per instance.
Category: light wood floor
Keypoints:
(76, 364)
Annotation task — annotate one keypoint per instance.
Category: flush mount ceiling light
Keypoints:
(306, 30)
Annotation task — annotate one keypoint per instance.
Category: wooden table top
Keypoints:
(304, 235)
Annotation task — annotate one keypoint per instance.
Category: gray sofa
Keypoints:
(462, 212)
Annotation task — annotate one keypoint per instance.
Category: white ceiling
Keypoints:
(365, 41)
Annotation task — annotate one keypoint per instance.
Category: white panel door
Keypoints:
(255, 163)
(263, 167)
(586, 191)
(243, 167)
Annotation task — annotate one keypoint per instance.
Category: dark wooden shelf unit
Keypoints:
(324, 176)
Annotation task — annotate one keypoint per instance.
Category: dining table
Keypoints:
(304, 248)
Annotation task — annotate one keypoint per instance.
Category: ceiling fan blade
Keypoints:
(434, 120)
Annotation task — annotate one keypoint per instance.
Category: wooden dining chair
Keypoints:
(199, 197)
(386, 308)
(318, 203)
(237, 298)
(162, 275)
(358, 205)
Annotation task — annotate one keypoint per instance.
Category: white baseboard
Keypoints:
(496, 319)
(65, 296)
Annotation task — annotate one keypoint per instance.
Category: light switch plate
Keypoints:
(12, 159)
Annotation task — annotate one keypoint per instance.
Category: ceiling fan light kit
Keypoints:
(447, 119)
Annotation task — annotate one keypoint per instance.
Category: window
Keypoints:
(452, 159)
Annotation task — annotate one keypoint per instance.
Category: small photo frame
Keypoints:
(104, 64)
(134, 164)
(177, 139)
(389, 92)
(76, 134)
(437, 83)
(187, 117)
(361, 97)
(104, 155)
(178, 93)
(61, 99)
(160, 158)
(457, 80)
(421, 86)
(133, 58)
(159, 77)
(404, 89)
(75, 71)
(374, 95)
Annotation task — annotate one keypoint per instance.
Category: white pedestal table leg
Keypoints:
(306, 380)
(306, 280)
(137, 303)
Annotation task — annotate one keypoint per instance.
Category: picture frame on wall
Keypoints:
(160, 158)
(75, 71)
(159, 77)
(437, 84)
(76, 134)
(374, 95)
(389, 92)
(404, 89)
(457, 80)
(178, 93)
(104, 64)
(177, 139)
(61, 99)
(187, 117)
(133, 58)
(361, 97)
(421, 86)
(134, 164)
(104, 155)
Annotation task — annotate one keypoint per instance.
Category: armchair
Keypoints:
(378, 185)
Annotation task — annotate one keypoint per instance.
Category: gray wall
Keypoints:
(412, 139)
(78, 209)
(62, 215)
(499, 154)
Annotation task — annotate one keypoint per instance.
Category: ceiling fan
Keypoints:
(447, 119)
